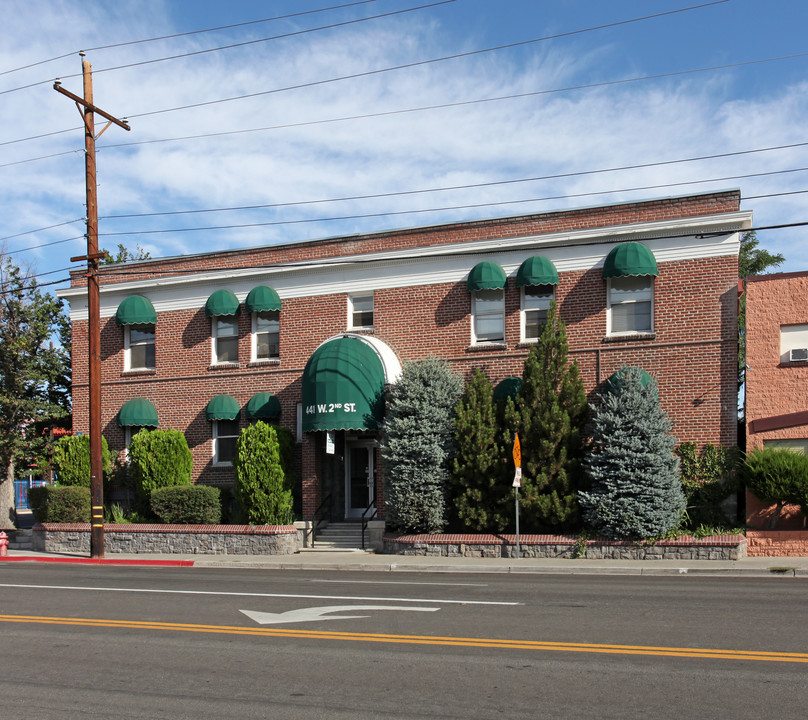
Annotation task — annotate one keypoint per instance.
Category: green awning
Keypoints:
(486, 276)
(629, 258)
(536, 270)
(262, 299)
(222, 407)
(137, 412)
(263, 406)
(614, 383)
(221, 302)
(136, 310)
(343, 387)
(507, 388)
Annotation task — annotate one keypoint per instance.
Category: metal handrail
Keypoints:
(318, 516)
(365, 520)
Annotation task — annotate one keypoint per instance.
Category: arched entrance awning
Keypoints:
(343, 383)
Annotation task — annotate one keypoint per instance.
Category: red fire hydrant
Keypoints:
(3, 544)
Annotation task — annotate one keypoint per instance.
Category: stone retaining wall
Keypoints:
(717, 547)
(777, 543)
(174, 539)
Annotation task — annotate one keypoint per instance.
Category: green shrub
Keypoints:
(777, 475)
(261, 487)
(158, 459)
(71, 459)
(60, 504)
(187, 505)
(709, 477)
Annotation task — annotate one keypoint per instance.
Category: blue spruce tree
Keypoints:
(636, 491)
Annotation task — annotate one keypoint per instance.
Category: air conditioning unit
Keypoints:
(798, 354)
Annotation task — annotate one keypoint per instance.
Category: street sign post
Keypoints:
(517, 483)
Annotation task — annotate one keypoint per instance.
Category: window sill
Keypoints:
(629, 337)
(487, 347)
(362, 330)
(527, 343)
(139, 371)
(224, 366)
(259, 363)
(793, 364)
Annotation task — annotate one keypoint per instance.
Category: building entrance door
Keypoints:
(359, 477)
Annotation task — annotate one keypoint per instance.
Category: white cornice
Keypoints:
(669, 240)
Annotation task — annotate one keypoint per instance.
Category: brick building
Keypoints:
(776, 375)
(309, 333)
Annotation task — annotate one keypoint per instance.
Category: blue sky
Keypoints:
(287, 151)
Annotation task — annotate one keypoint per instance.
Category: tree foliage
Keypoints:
(636, 491)
(71, 459)
(124, 254)
(157, 459)
(417, 445)
(34, 374)
(779, 476)
(550, 414)
(482, 493)
(261, 486)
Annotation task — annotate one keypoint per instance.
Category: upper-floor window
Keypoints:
(360, 312)
(488, 316)
(265, 335)
(224, 331)
(630, 304)
(139, 347)
(793, 343)
(536, 300)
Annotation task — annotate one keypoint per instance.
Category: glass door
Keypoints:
(359, 480)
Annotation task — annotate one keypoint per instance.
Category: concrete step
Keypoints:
(339, 537)
(21, 540)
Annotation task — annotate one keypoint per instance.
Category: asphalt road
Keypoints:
(117, 642)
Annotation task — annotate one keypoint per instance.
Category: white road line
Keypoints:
(392, 582)
(263, 595)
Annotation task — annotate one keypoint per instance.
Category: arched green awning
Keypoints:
(536, 270)
(486, 276)
(222, 302)
(614, 383)
(629, 258)
(136, 310)
(137, 412)
(343, 387)
(507, 388)
(222, 407)
(263, 406)
(262, 299)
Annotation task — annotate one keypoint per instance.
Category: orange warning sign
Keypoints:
(517, 452)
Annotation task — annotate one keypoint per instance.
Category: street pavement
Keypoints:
(358, 561)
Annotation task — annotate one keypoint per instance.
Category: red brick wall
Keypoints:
(776, 543)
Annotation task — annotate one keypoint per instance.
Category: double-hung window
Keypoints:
(360, 312)
(630, 306)
(139, 344)
(266, 334)
(225, 434)
(536, 300)
(488, 316)
(224, 329)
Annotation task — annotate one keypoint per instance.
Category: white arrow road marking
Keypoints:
(315, 614)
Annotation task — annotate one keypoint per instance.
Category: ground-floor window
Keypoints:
(225, 434)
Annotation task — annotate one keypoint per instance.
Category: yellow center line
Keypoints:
(497, 643)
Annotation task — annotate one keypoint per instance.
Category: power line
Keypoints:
(42, 229)
(241, 44)
(443, 209)
(185, 34)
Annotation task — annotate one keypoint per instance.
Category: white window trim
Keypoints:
(127, 351)
(215, 436)
(350, 324)
(254, 341)
(474, 315)
(523, 315)
(214, 336)
(630, 333)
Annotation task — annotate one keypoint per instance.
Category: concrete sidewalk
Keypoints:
(360, 561)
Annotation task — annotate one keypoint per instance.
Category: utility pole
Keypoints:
(88, 109)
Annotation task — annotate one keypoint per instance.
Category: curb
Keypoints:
(98, 561)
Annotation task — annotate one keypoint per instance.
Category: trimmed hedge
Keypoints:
(71, 459)
(777, 475)
(187, 505)
(159, 459)
(60, 504)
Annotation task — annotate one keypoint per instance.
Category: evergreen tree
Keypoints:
(550, 414)
(636, 491)
(482, 494)
(417, 445)
(261, 486)
(34, 374)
